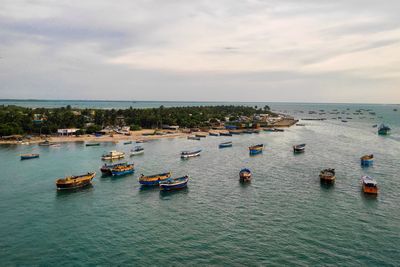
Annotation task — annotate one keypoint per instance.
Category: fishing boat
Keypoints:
(383, 129)
(369, 185)
(213, 134)
(92, 144)
(137, 151)
(123, 170)
(113, 155)
(256, 149)
(299, 148)
(367, 160)
(127, 142)
(73, 182)
(174, 183)
(225, 144)
(29, 156)
(190, 154)
(46, 143)
(245, 175)
(225, 134)
(193, 138)
(327, 175)
(153, 180)
(106, 168)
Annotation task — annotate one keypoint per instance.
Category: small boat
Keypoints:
(174, 183)
(113, 155)
(92, 144)
(225, 144)
(123, 170)
(256, 149)
(279, 130)
(137, 151)
(193, 138)
(327, 175)
(73, 182)
(106, 168)
(367, 160)
(245, 175)
(344, 121)
(201, 135)
(384, 130)
(225, 134)
(369, 185)
(29, 156)
(189, 154)
(375, 125)
(213, 134)
(154, 179)
(235, 132)
(299, 148)
(300, 124)
(127, 142)
(46, 143)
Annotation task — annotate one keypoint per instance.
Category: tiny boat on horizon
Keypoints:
(256, 149)
(225, 144)
(245, 175)
(369, 185)
(367, 160)
(327, 175)
(137, 151)
(29, 156)
(153, 180)
(73, 182)
(384, 130)
(127, 142)
(299, 148)
(92, 144)
(106, 168)
(123, 170)
(113, 155)
(190, 154)
(174, 183)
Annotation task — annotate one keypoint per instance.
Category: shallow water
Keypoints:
(284, 217)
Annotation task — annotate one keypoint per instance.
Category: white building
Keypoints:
(67, 131)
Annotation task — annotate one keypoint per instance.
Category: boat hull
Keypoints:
(74, 183)
(25, 157)
(367, 162)
(370, 190)
(153, 181)
(178, 183)
(122, 173)
(223, 145)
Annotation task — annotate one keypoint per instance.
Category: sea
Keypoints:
(284, 217)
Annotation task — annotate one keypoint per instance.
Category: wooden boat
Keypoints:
(46, 143)
(225, 144)
(113, 155)
(256, 149)
(153, 179)
(367, 160)
(189, 154)
(327, 175)
(213, 134)
(137, 151)
(193, 138)
(127, 142)
(123, 170)
(201, 135)
(106, 168)
(245, 175)
(92, 144)
(225, 134)
(369, 185)
(384, 130)
(29, 156)
(174, 183)
(73, 182)
(299, 148)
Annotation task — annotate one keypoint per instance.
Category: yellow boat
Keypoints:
(73, 182)
(154, 179)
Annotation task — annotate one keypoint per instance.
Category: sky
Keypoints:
(201, 50)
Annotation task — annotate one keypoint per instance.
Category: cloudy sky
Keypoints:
(204, 50)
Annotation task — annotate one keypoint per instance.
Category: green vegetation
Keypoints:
(20, 120)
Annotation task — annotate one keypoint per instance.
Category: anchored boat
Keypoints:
(113, 155)
(189, 154)
(127, 142)
(367, 160)
(213, 134)
(245, 175)
(137, 151)
(384, 130)
(194, 138)
(327, 175)
(225, 144)
(106, 168)
(299, 148)
(174, 183)
(123, 170)
(369, 185)
(92, 144)
(256, 149)
(46, 143)
(73, 182)
(155, 179)
(29, 156)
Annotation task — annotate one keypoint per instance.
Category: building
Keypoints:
(69, 131)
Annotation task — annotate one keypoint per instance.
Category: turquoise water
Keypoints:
(284, 217)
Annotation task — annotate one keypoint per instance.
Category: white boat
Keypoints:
(189, 154)
(137, 151)
(113, 155)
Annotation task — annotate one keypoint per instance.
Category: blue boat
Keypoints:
(29, 156)
(123, 170)
(174, 183)
(367, 160)
(225, 144)
(155, 179)
(106, 168)
(256, 149)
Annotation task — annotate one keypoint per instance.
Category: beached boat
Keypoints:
(201, 135)
(153, 180)
(73, 182)
(46, 143)
(106, 168)
(369, 185)
(29, 156)
(137, 151)
(92, 144)
(327, 175)
(245, 175)
(213, 134)
(113, 155)
(299, 148)
(225, 134)
(193, 138)
(384, 130)
(256, 149)
(225, 144)
(367, 160)
(174, 183)
(123, 170)
(189, 154)
(127, 142)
